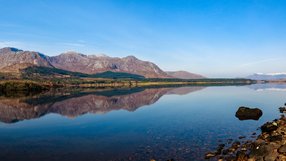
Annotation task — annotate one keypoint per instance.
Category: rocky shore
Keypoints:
(270, 145)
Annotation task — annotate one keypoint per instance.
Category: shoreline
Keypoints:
(270, 145)
(40, 85)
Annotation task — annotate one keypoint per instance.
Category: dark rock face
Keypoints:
(245, 113)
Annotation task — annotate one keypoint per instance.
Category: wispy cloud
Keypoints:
(73, 44)
(11, 44)
(78, 43)
(252, 63)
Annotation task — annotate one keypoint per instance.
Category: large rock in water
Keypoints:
(246, 113)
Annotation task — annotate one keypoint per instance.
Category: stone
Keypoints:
(272, 156)
(269, 127)
(259, 150)
(282, 109)
(246, 113)
(275, 138)
(236, 144)
(282, 149)
(241, 137)
(220, 149)
(241, 156)
(270, 145)
(224, 152)
(210, 155)
(251, 159)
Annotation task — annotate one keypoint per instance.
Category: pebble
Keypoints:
(282, 149)
(210, 155)
(241, 137)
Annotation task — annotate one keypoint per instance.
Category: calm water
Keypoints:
(130, 124)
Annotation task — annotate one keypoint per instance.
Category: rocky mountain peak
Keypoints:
(73, 53)
(9, 49)
(13, 59)
(130, 57)
(268, 76)
(184, 75)
(101, 55)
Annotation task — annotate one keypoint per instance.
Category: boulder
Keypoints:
(269, 127)
(282, 149)
(246, 113)
(282, 109)
(258, 152)
(275, 138)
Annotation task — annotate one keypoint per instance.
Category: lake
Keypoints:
(130, 124)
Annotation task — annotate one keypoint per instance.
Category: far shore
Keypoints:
(36, 85)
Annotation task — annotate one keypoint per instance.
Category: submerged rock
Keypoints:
(210, 155)
(246, 113)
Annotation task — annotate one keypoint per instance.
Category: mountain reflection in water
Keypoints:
(73, 104)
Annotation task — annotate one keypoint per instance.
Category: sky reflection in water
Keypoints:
(138, 124)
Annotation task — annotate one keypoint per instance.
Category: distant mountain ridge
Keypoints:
(15, 60)
(184, 75)
(267, 76)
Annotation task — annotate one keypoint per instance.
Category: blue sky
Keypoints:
(216, 38)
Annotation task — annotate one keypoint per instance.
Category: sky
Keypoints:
(215, 38)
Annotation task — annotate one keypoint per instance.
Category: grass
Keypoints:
(42, 78)
(22, 85)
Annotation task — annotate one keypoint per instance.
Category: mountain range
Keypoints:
(267, 76)
(13, 60)
(184, 75)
